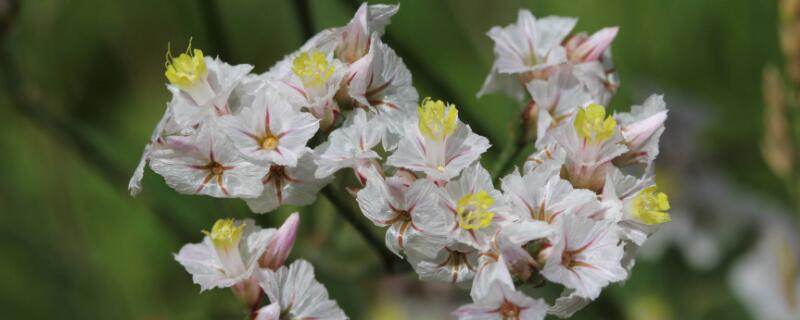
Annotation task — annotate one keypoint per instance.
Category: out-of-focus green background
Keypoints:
(75, 245)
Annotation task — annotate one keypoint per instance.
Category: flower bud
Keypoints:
(281, 244)
(592, 48)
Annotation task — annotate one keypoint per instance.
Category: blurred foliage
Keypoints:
(75, 245)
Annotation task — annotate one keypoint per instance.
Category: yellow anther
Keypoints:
(472, 210)
(187, 69)
(437, 120)
(313, 68)
(592, 124)
(650, 206)
(225, 234)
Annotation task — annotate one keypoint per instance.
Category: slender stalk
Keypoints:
(69, 132)
(215, 29)
(345, 211)
(505, 160)
(303, 12)
(254, 308)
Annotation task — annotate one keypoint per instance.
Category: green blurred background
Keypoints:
(85, 86)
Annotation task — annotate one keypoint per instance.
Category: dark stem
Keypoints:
(505, 160)
(70, 133)
(254, 308)
(609, 309)
(304, 17)
(214, 28)
(344, 209)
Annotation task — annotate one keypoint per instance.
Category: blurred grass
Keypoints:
(75, 245)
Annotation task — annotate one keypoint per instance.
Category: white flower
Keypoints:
(201, 86)
(381, 82)
(285, 185)
(567, 304)
(350, 146)
(410, 210)
(207, 164)
(767, 279)
(508, 257)
(455, 263)
(601, 83)
(548, 158)
(556, 99)
(590, 141)
(585, 256)
(310, 79)
(270, 131)
(642, 206)
(641, 130)
(502, 303)
(544, 196)
(524, 49)
(354, 38)
(477, 209)
(297, 293)
(228, 254)
(437, 144)
(135, 183)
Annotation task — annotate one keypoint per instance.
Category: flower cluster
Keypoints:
(574, 215)
(250, 260)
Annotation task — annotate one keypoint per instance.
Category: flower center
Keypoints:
(509, 311)
(650, 206)
(313, 68)
(217, 168)
(592, 124)
(225, 234)
(437, 120)
(187, 69)
(269, 142)
(473, 210)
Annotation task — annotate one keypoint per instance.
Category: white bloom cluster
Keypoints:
(575, 216)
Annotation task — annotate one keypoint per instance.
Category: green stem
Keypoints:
(506, 159)
(345, 210)
(215, 29)
(69, 132)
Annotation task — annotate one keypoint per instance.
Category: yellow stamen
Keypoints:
(313, 68)
(437, 120)
(225, 234)
(592, 124)
(472, 210)
(269, 143)
(650, 206)
(187, 69)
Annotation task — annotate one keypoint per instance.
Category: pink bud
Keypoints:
(594, 46)
(636, 134)
(281, 244)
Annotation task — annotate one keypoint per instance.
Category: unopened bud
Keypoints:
(281, 244)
